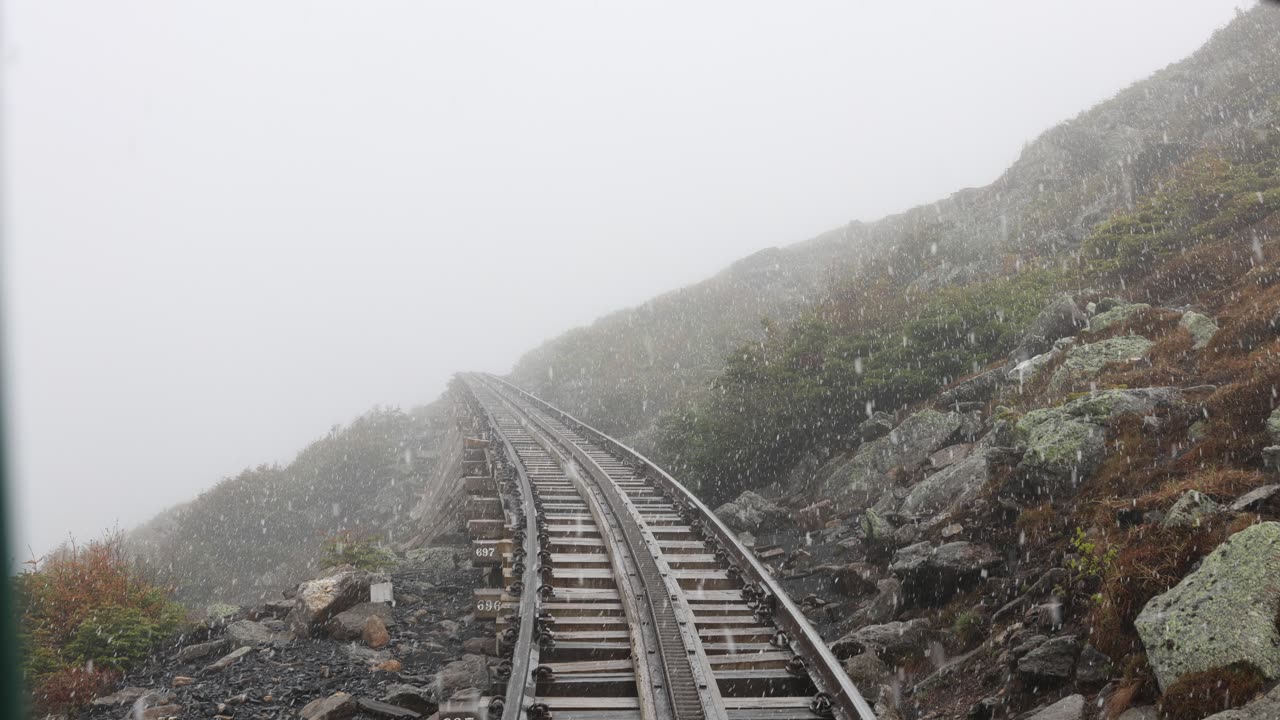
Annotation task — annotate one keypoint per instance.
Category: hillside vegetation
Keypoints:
(257, 533)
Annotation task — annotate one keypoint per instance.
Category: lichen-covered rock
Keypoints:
(875, 427)
(1120, 313)
(1201, 327)
(1222, 613)
(979, 388)
(1060, 318)
(933, 575)
(432, 563)
(950, 488)
(867, 671)
(875, 528)
(1059, 447)
(864, 480)
(1191, 510)
(1084, 361)
(1273, 426)
(752, 513)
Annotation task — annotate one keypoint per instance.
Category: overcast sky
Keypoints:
(231, 225)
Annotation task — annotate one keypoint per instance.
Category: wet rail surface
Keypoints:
(625, 597)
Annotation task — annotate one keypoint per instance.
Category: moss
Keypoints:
(1202, 694)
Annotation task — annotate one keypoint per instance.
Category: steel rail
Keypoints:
(825, 670)
(690, 684)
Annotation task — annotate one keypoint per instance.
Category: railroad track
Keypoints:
(625, 598)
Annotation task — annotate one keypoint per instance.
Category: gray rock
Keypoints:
(752, 513)
(1142, 712)
(979, 388)
(1092, 668)
(875, 528)
(895, 642)
(1191, 510)
(867, 671)
(1265, 497)
(469, 672)
(228, 660)
(421, 700)
(883, 606)
(1266, 707)
(1027, 370)
(1053, 659)
(949, 489)
(864, 480)
(1061, 452)
(1221, 613)
(1059, 319)
(433, 563)
(1117, 314)
(1201, 327)
(124, 696)
(1273, 426)
(933, 575)
(875, 427)
(906, 535)
(1084, 361)
(365, 655)
(201, 650)
(337, 706)
(950, 455)
(255, 634)
(1068, 708)
(316, 601)
(348, 624)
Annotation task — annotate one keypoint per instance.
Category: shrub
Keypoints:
(85, 614)
(1200, 695)
(358, 550)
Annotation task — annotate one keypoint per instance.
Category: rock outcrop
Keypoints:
(1224, 612)
(752, 513)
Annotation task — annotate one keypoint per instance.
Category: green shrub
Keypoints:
(118, 638)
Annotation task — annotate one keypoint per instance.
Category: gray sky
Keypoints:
(231, 225)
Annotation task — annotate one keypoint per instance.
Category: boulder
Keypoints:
(1062, 317)
(979, 388)
(894, 642)
(420, 700)
(1191, 510)
(348, 624)
(471, 672)
(864, 480)
(875, 427)
(858, 578)
(1266, 497)
(950, 455)
(867, 671)
(1092, 668)
(1054, 659)
(1266, 707)
(752, 513)
(255, 634)
(883, 606)
(1084, 361)
(337, 706)
(933, 575)
(480, 646)
(1027, 370)
(228, 660)
(876, 530)
(374, 633)
(1201, 327)
(1273, 426)
(1117, 314)
(202, 650)
(949, 489)
(1061, 451)
(1223, 612)
(1068, 708)
(1142, 712)
(124, 696)
(316, 601)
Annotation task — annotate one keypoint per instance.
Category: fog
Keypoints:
(230, 226)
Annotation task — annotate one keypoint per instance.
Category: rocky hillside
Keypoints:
(630, 367)
(253, 535)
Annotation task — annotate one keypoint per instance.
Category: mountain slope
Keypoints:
(626, 369)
